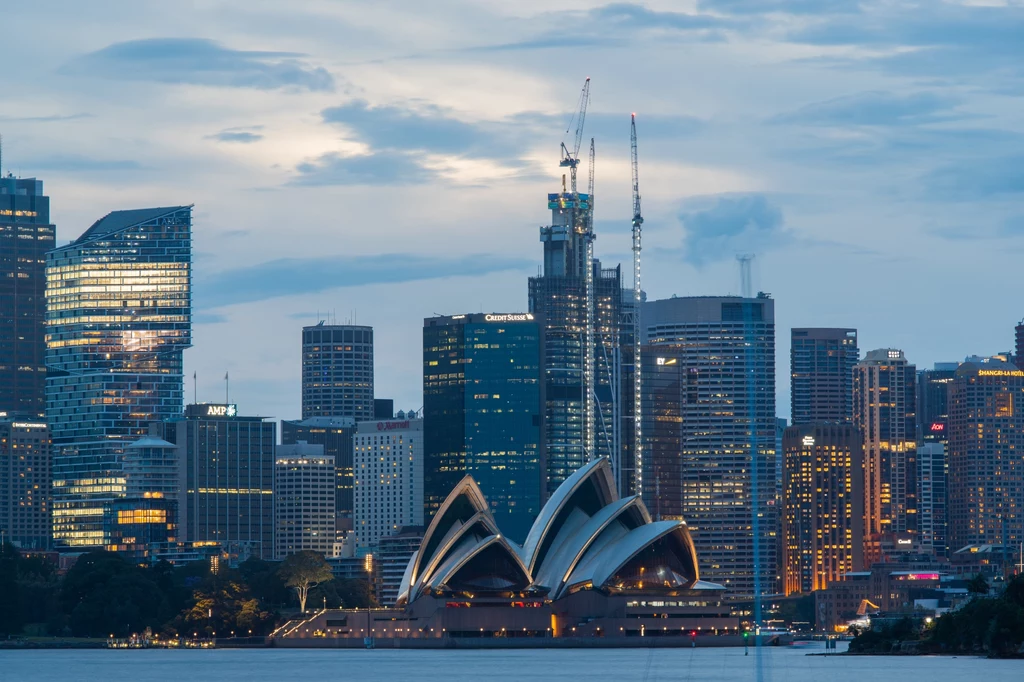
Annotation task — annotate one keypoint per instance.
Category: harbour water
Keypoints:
(783, 664)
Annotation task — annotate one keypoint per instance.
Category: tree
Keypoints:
(303, 571)
(978, 585)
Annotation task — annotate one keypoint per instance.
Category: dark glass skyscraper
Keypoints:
(337, 371)
(933, 402)
(729, 430)
(26, 234)
(119, 316)
(482, 413)
(821, 374)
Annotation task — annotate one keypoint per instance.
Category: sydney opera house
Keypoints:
(593, 565)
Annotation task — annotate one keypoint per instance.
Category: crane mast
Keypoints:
(638, 221)
(571, 159)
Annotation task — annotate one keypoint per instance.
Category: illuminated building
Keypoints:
(119, 317)
(304, 490)
(151, 465)
(388, 461)
(821, 374)
(933, 402)
(933, 497)
(729, 422)
(135, 526)
(228, 462)
(25, 454)
(885, 411)
(482, 413)
(986, 466)
(586, 324)
(337, 371)
(26, 234)
(335, 434)
(823, 505)
(393, 554)
(668, 386)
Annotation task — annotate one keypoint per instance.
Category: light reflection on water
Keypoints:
(703, 665)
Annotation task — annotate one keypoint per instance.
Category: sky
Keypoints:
(382, 161)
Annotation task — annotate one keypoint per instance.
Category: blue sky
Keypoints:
(383, 161)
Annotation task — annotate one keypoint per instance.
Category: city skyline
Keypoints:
(269, 140)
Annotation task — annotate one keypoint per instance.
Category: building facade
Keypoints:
(26, 234)
(728, 458)
(821, 374)
(933, 402)
(304, 491)
(337, 371)
(986, 469)
(119, 317)
(482, 413)
(228, 491)
(393, 554)
(823, 505)
(25, 455)
(336, 435)
(885, 406)
(389, 478)
(933, 497)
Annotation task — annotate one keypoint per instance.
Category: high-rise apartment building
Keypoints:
(728, 457)
(337, 371)
(823, 501)
(586, 323)
(304, 491)
(821, 374)
(393, 554)
(933, 402)
(885, 406)
(389, 478)
(26, 234)
(482, 413)
(335, 434)
(119, 316)
(986, 466)
(228, 491)
(25, 483)
(933, 497)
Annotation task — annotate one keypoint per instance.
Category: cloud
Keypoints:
(977, 179)
(238, 135)
(780, 6)
(72, 163)
(875, 108)
(381, 168)
(53, 118)
(208, 318)
(292, 276)
(1009, 228)
(200, 62)
(720, 226)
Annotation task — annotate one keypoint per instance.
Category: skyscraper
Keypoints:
(821, 374)
(885, 412)
(586, 322)
(729, 431)
(986, 467)
(482, 413)
(337, 371)
(25, 483)
(335, 435)
(26, 234)
(823, 500)
(933, 402)
(228, 491)
(389, 478)
(304, 489)
(119, 316)
(933, 496)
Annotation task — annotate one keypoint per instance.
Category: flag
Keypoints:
(225, 376)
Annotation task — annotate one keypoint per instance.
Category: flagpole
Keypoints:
(195, 389)
(227, 386)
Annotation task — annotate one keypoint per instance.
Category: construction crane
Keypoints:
(638, 221)
(571, 159)
(590, 185)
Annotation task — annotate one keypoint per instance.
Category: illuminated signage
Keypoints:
(221, 410)
(904, 542)
(392, 426)
(660, 361)
(938, 427)
(510, 317)
(1000, 373)
(922, 576)
(28, 425)
(808, 440)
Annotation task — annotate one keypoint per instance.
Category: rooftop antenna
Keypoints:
(746, 284)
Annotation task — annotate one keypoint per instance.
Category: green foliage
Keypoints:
(303, 571)
(992, 626)
(883, 639)
(978, 585)
(28, 593)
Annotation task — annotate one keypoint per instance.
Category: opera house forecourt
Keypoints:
(595, 570)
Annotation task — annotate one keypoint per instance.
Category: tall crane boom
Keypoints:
(590, 185)
(638, 221)
(571, 159)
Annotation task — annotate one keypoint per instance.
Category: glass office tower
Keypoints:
(482, 413)
(119, 316)
(26, 234)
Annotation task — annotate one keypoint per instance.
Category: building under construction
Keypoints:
(587, 328)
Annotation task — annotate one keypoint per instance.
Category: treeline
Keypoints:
(993, 626)
(103, 594)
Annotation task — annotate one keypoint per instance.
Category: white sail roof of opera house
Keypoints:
(585, 537)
